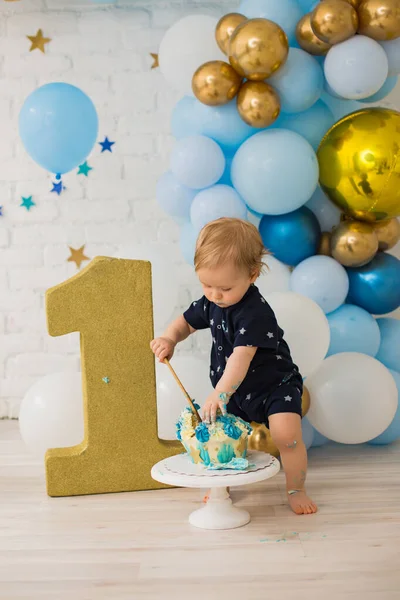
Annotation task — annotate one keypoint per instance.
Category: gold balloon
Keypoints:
(359, 162)
(325, 244)
(225, 28)
(353, 243)
(388, 233)
(258, 48)
(379, 19)
(334, 21)
(305, 401)
(354, 3)
(261, 440)
(215, 83)
(307, 38)
(258, 103)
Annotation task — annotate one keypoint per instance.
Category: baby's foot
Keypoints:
(301, 504)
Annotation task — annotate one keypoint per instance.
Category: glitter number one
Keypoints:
(110, 304)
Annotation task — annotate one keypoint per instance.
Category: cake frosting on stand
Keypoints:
(218, 445)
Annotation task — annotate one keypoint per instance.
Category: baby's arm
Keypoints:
(164, 346)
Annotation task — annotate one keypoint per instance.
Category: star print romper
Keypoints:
(273, 383)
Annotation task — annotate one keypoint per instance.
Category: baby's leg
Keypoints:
(285, 430)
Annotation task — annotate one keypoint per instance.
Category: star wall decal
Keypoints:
(27, 203)
(155, 64)
(58, 187)
(84, 169)
(38, 41)
(106, 145)
(77, 256)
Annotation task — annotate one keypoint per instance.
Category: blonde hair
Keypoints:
(230, 240)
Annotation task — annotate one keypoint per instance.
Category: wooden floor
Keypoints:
(140, 546)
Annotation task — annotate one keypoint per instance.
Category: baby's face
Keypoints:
(225, 285)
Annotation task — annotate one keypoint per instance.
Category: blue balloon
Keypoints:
(392, 433)
(353, 329)
(226, 175)
(216, 202)
(392, 49)
(293, 237)
(307, 431)
(389, 350)
(376, 286)
(307, 5)
(312, 124)
(58, 126)
(319, 440)
(197, 162)
(299, 82)
(188, 241)
(183, 120)
(286, 13)
(223, 124)
(174, 198)
(322, 279)
(339, 106)
(385, 90)
(261, 168)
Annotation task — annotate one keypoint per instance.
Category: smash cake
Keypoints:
(219, 445)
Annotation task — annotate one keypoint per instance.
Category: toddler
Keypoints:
(251, 370)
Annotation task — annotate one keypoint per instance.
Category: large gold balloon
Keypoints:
(324, 247)
(359, 162)
(354, 3)
(258, 104)
(334, 21)
(379, 19)
(388, 233)
(307, 38)
(353, 243)
(305, 401)
(258, 48)
(215, 83)
(225, 28)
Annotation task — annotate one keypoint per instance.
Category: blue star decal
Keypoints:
(106, 145)
(27, 203)
(1, 211)
(57, 187)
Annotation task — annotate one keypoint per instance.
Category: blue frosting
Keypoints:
(232, 431)
(226, 453)
(236, 464)
(205, 457)
(202, 433)
(178, 431)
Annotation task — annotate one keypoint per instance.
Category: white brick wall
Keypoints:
(105, 51)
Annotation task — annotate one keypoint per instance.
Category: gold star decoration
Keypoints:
(78, 256)
(38, 41)
(155, 64)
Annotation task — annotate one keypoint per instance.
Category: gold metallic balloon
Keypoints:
(353, 243)
(258, 104)
(334, 21)
(307, 38)
(359, 162)
(258, 48)
(354, 3)
(215, 83)
(324, 247)
(261, 440)
(225, 27)
(379, 19)
(388, 233)
(305, 401)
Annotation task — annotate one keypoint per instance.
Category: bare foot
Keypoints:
(301, 504)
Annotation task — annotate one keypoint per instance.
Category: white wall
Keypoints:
(106, 53)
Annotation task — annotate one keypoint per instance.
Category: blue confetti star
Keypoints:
(84, 169)
(27, 203)
(1, 211)
(57, 187)
(106, 145)
(106, 380)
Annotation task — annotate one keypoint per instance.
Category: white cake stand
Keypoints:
(219, 512)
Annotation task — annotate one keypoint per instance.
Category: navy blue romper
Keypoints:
(273, 383)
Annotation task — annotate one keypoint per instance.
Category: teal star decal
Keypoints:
(27, 203)
(84, 169)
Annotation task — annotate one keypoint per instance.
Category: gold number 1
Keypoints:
(110, 304)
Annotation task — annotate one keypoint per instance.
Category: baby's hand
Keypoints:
(163, 348)
(214, 402)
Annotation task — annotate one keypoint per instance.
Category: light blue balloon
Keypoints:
(188, 241)
(216, 202)
(356, 68)
(392, 433)
(183, 120)
(327, 213)
(226, 175)
(307, 431)
(293, 237)
(275, 171)
(307, 5)
(389, 350)
(223, 124)
(58, 126)
(174, 198)
(299, 82)
(197, 161)
(385, 90)
(322, 279)
(286, 13)
(353, 329)
(312, 124)
(340, 107)
(392, 49)
(319, 439)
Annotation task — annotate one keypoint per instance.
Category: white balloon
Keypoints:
(392, 49)
(186, 45)
(275, 279)
(354, 398)
(305, 326)
(51, 413)
(164, 278)
(327, 213)
(194, 374)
